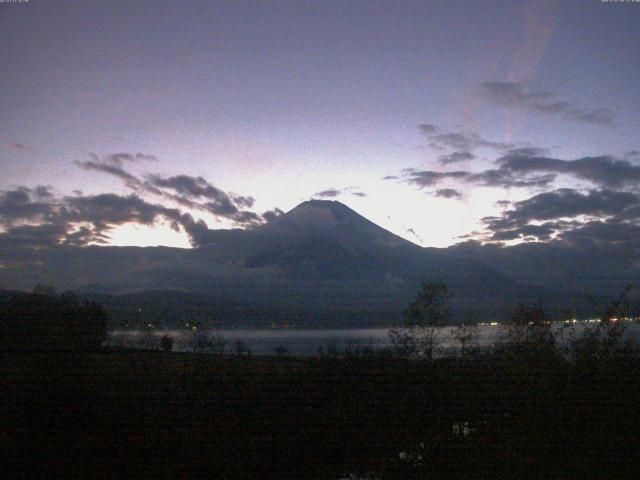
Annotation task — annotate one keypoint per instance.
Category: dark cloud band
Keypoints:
(514, 94)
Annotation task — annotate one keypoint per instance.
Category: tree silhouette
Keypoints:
(240, 347)
(466, 335)
(217, 342)
(166, 343)
(607, 337)
(529, 324)
(423, 319)
(37, 322)
(43, 290)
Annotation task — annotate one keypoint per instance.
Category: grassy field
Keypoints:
(117, 414)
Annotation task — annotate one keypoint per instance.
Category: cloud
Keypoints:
(620, 238)
(530, 168)
(448, 193)
(456, 157)
(562, 211)
(271, 215)
(35, 218)
(329, 193)
(113, 165)
(334, 192)
(187, 191)
(428, 129)
(597, 256)
(441, 139)
(192, 187)
(566, 202)
(242, 201)
(24, 204)
(539, 232)
(74, 220)
(23, 147)
(430, 178)
(469, 141)
(538, 24)
(117, 171)
(605, 171)
(526, 152)
(110, 209)
(121, 158)
(211, 198)
(46, 235)
(514, 94)
(84, 220)
(500, 178)
(96, 215)
(42, 192)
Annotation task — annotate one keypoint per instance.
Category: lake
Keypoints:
(310, 342)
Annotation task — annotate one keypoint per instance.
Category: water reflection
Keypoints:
(310, 342)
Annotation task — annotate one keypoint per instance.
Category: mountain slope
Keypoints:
(319, 264)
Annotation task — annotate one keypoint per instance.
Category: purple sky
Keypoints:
(281, 101)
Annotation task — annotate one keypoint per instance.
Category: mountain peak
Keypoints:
(314, 202)
(330, 220)
(322, 213)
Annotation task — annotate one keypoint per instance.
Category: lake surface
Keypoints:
(309, 342)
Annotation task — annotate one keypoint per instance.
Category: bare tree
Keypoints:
(608, 335)
(466, 335)
(403, 341)
(218, 342)
(529, 324)
(423, 320)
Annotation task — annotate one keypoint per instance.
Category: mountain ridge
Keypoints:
(321, 263)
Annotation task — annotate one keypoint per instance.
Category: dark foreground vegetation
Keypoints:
(507, 414)
(46, 322)
(527, 408)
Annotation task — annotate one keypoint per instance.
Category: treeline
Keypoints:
(529, 327)
(524, 408)
(45, 321)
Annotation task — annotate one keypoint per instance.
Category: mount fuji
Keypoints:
(320, 264)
